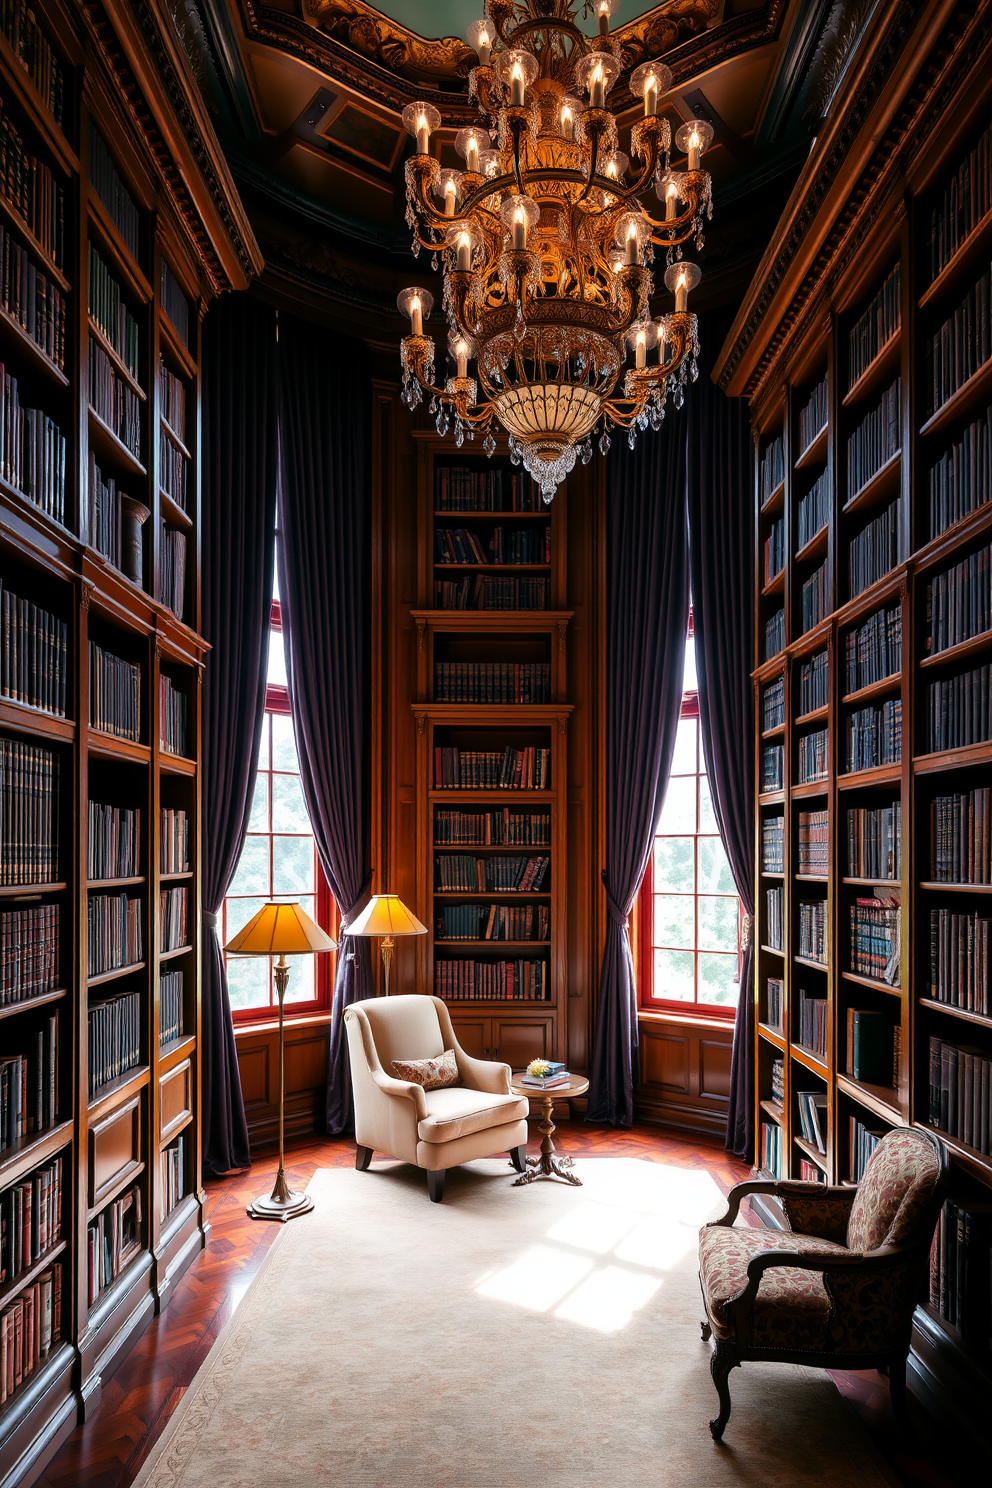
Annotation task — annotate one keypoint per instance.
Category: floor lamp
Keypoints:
(281, 930)
(386, 915)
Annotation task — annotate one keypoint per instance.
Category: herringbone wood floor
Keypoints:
(147, 1385)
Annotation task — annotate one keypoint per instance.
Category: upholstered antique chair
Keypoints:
(837, 1288)
(433, 1129)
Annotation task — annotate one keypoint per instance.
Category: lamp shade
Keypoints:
(280, 930)
(386, 914)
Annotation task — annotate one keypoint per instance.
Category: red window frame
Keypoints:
(328, 917)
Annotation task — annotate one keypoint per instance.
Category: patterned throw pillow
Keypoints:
(432, 1074)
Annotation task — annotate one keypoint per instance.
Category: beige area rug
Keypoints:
(539, 1337)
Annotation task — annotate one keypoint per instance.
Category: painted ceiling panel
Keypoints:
(436, 18)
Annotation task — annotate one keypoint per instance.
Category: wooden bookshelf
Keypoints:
(108, 1142)
(776, 373)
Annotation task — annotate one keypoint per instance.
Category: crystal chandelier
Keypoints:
(546, 239)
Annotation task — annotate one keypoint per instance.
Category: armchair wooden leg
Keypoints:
(435, 1185)
(706, 1331)
(721, 1364)
(363, 1156)
(518, 1157)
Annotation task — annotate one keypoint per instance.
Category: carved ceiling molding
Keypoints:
(356, 45)
(918, 116)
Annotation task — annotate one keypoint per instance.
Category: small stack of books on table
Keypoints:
(556, 1077)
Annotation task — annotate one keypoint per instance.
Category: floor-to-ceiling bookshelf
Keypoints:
(100, 1191)
(873, 500)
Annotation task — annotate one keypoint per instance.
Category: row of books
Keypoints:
(813, 930)
(114, 1041)
(106, 181)
(961, 837)
(113, 923)
(959, 710)
(772, 767)
(964, 201)
(812, 1106)
(815, 598)
(31, 189)
(174, 716)
(493, 922)
(961, 480)
(814, 841)
(491, 769)
(113, 841)
(30, 1219)
(493, 981)
(959, 959)
(875, 939)
(174, 837)
(28, 814)
(173, 1161)
(872, 1051)
(774, 1002)
(28, 1327)
(174, 301)
(172, 399)
(959, 1272)
(115, 694)
(31, 47)
(774, 634)
(775, 918)
(109, 311)
(874, 841)
(813, 417)
(771, 1148)
(810, 1173)
(873, 651)
(814, 683)
(813, 1024)
(959, 602)
(503, 545)
(773, 704)
(775, 549)
(875, 441)
(520, 874)
(778, 1081)
(500, 827)
(31, 298)
(32, 451)
(490, 592)
(173, 905)
(814, 511)
(170, 1006)
(814, 757)
(29, 1085)
(961, 1093)
(877, 325)
(172, 469)
(773, 844)
(862, 1141)
(106, 504)
(113, 400)
(29, 953)
(492, 681)
(772, 468)
(112, 1240)
(459, 488)
(34, 654)
(960, 347)
(875, 550)
(873, 736)
(172, 569)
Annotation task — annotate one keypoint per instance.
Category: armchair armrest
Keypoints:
(487, 1075)
(856, 1266)
(783, 1188)
(403, 1088)
(739, 1192)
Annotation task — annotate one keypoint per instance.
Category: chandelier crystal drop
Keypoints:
(546, 238)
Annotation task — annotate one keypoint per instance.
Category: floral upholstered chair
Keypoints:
(837, 1288)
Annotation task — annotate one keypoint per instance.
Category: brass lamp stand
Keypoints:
(386, 915)
(278, 929)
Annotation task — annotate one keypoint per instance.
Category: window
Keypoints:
(689, 912)
(278, 861)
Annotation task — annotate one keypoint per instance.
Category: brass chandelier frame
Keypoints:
(546, 242)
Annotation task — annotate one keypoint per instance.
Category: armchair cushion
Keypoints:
(896, 1191)
(792, 1308)
(456, 1112)
(432, 1074)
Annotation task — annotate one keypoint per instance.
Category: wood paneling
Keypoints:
(684, 1074)
(175, 1100)
(115, 1150)
(306, 1078)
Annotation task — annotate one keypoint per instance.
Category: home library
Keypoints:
(873, 482)
(99, 719)
(491, 717)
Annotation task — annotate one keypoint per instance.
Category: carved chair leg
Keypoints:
(721, 1364)
(897, 1393)
(435, 1185)
(363, 1156)
(518, 1157)
(706, 1331)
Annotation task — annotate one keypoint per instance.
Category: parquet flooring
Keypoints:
(140, 1396)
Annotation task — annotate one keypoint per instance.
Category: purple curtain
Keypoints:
(238, 537)
(647, 612)
(721, 523)
(325, 588)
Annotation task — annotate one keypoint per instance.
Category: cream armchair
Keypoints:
(433, 1129)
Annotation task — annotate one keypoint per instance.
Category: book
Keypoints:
(771, 471)
(492, 981)
(870, 1046)
(874, 327)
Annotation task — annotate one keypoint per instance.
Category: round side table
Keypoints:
(549, 1164)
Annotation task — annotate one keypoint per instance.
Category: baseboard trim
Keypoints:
(682, 1118)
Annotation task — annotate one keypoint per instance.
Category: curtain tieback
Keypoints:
(613, 909)
(747, 929)
(209, 920)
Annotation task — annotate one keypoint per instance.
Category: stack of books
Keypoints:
(556, 1077)
(874, 650)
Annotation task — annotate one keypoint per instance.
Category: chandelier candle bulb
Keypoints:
(604, 9)
(651, 80)
(519, 227)
(481, 41)
(464, 252)
(630, 246)
(416, 316)
(420, 120)
(680, 278)
(423, 135)
(567, 120)
(461, 358)
(450, 194)
(694, 137)
(640, 349)
(516, 86)
(671, 200)
(597, 87)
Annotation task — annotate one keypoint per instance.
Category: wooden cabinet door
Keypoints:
(474, 1035)
(516, 1043)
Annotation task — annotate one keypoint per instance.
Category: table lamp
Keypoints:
(280, 930)
(386, 915)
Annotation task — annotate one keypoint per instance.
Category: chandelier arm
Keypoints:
(593, 162)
